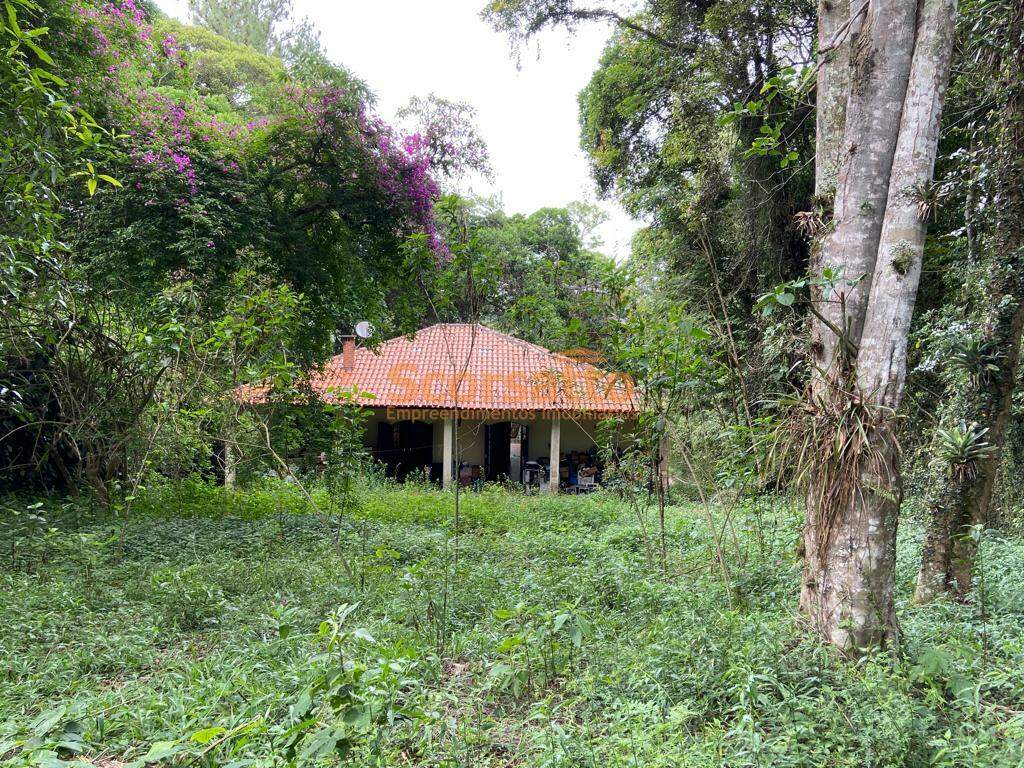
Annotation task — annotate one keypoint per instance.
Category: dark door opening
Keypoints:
(496, 450)
(405, 447)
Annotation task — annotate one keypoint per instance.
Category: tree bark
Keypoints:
(882, 359)
(833, 86)
(934, 576)
(849, 551)
(850, 527)
(881, 49)
(899, 69)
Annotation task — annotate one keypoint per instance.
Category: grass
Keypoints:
(220, 628)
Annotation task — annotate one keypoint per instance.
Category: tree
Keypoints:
(895, 75)
(254, 23)
(51, 144)
(983, 362)
(531, 276)
(269, 27)
(195, 199)
(448, 131)
(695, 121)
(234, 79)
(881, 75)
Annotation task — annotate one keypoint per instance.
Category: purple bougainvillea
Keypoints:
(167, 136)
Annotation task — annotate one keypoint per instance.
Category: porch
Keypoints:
(541, 449)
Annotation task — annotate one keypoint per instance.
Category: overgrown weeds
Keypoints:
(225, 631)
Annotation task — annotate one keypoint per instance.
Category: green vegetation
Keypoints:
(535, 277)
(217, 627)
(829, 571)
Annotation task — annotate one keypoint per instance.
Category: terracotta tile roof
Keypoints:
(493, 371)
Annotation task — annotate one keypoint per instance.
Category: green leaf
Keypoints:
(43, 724)
(509, 643)
(302, 705)
(91, 186)
(12, 17)
(700, 333)
(576, 635)
(321, 744)
(161, 750)
(785, 299)
(206, 735)
(48, 75)
(361, 634)
(43, 55)
(358, 717)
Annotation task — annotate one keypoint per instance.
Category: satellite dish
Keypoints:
(364, 330)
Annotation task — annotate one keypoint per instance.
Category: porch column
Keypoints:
(556, 441)
(447, 465)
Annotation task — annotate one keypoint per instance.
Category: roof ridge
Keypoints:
(504, 336)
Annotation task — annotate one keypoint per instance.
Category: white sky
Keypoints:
(526, 114)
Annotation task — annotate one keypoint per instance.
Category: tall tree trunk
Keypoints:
(882, 359)
(833, 87)
(881, 48)
(900, 66)
(948, 557)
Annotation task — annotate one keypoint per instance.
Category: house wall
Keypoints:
(470, 445)
(577, 435)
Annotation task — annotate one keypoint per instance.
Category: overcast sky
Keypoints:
(527, 114)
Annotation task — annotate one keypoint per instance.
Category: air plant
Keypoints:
(960, 447)
(811, 223)
(927, 195)
(976, 358)
(903, 257)
(826, 442)
(808, 223)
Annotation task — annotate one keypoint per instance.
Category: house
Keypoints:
(460, 392)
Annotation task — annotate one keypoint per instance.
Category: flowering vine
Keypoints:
(164, 133)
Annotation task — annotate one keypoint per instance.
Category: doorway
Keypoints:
(505, 447)
(496, 450)
(405, 447)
